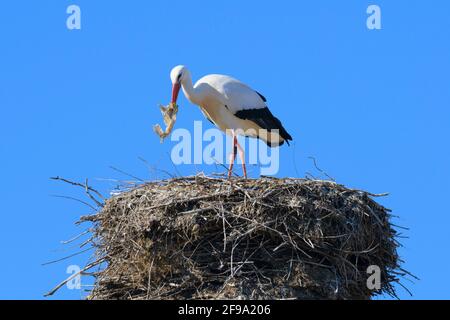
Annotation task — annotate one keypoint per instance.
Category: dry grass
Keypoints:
(210, 238)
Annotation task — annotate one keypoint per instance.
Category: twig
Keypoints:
(89, 266)
(320, 170)
(74, 199)
(127, 174)
(67, 257)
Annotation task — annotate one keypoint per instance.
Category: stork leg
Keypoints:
(232, 156)
(241, 155)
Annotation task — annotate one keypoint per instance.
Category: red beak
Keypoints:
(175, 90)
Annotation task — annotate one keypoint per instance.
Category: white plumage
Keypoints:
(236, 95)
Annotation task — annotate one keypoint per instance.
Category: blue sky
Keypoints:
(372, 106)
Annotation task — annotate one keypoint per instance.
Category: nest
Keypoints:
(211, 238)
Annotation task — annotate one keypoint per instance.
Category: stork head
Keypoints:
(177, 75)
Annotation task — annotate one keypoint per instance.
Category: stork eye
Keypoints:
(179, 77)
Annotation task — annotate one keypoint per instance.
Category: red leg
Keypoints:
(241, 155)
(232, 157)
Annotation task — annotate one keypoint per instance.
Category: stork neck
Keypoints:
(189, 91)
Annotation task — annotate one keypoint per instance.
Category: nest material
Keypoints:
(211, 238)
(169, 114)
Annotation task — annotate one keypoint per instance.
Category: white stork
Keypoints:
(233, 107)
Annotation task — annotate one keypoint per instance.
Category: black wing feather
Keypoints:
(261, 96)
(265, 119)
